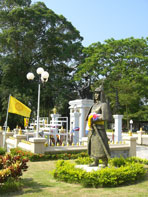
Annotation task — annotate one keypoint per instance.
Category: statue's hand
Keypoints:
(96, 117)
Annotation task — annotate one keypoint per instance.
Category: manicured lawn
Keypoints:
(38, 182)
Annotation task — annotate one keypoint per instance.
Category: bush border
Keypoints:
(106, 177)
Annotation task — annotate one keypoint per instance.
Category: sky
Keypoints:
(99, 20)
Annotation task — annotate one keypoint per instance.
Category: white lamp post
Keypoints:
(44, 75)
(131, 123)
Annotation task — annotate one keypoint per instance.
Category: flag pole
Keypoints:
(5, 125)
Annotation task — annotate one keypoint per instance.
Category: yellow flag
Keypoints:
(26, 122)
(16, 107)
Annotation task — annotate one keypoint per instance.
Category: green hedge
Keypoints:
(81, 158)
(106, 177)
(45, 157)
(116, 161)
(84, 160)
(2, 151)
(11, 167)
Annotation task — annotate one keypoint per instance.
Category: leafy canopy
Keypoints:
(122, 65)
(33, 36)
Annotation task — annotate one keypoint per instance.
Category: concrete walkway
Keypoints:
(142, 151)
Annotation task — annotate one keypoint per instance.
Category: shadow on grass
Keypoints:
(28, 186)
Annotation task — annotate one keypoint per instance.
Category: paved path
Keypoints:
(142, 151)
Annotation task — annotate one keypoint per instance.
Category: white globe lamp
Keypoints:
(30, 76)
(40, 70)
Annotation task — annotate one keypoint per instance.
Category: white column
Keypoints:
(118, 127)
(82, 106)
(38, 111)
(82, 124)
(76, 124)
(54, 122)
(71, 121)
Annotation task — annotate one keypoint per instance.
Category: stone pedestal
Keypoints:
(118, 128)
(140, 133)
(75, 127)
(37, 145)
(132, 142)
(82, 106)
(6, 135)
(18, 138)
(85, 141)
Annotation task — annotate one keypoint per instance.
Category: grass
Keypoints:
(38, 182)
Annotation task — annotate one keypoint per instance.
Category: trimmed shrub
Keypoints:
(66, 171)
(10, 185)
(84, 160)
(117, 161)
(11, 167)
(20, 152)
(136, 159)
(106, 177)
(2, 151)
(45, 157)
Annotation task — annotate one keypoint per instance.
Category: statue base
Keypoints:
(87, 168)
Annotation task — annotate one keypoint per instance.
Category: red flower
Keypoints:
(95, 116)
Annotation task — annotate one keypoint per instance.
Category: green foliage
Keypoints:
(123, 64)
(11, 167)
(121, 161)
(2, 151)
(107, 177)
(136, 159)
(11, 3)
(67, 172)
(45, 157)
(20, 152)
(84, 160)
(117, 162)
(10, 185)
(56, 156)
(34, 36)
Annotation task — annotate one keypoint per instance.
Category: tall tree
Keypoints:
(34, 36)
(123, 65)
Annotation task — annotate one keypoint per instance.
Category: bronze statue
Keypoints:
(83, 88)
(98, 147)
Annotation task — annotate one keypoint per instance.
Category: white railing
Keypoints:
(53, 128)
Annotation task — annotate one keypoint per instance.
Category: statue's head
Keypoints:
(99, 94)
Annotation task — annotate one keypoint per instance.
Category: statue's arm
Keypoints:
(106, 113)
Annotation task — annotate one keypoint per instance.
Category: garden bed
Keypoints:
(120, 172)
